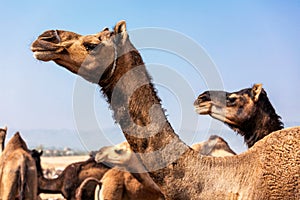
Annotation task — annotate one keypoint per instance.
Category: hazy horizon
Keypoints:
(244, 43)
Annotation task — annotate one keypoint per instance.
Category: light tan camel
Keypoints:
(18, 174)
(269, 170)
(248, 111)
(214, 146)
(117, 183)
(2, 138)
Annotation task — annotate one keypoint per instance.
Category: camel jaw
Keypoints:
(214, 110)
(220, 114)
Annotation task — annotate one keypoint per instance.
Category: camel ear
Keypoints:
(105, 29)
(256, 91)
(120, 27)
(5, 128)
(120, 31)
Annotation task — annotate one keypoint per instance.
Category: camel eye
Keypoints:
(118, 151)
(90, 46)
(231, 100)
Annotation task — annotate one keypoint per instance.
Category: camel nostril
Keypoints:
(51, 36)
(203, 97)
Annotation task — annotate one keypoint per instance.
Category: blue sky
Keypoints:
(249, 42)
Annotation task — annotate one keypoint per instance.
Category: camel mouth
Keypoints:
(215, 110)
(46, 46)
(43, 55)
(100, 158)
(104, 160)
(203, 108)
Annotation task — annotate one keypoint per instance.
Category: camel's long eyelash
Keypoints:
(118, 151)
(90, 46)
(231, 99)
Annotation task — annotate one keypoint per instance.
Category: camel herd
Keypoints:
(109, 169)
(154, 163)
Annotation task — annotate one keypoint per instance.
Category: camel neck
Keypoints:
(1, 146)
(260, 126)
(52, 186)
(138, 110)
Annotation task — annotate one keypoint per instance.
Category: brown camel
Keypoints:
(18, 174)
(269, 170)
(2, 138)
(214, 146)
(138, 184)
(248, 111)
(71, 178)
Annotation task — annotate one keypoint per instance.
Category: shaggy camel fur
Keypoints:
(139, 185)
(269, 170)
(2, 138)
(18, 174)
(248, 111)
(214, 146)
(71, 178)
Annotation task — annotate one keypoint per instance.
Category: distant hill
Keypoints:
(93, 140)
(60, 139)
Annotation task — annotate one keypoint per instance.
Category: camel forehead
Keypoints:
(69, 35)
(90, 39)
(244, 92)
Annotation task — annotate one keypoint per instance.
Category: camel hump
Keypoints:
(3, 129)
(16, 142)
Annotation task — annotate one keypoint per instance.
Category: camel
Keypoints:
(248, 111)
(142, 187)
(214, 146)
(18, 174)
(83, 185)
(2, 138)
(268, 170)
(138, 184)
(71, 178)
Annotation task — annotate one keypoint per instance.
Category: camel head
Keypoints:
(2, 138)
(3, 134)
(232, 108)
(214, 146)
(119, 155)
(36, 155)
(91, 56)
(248, 111)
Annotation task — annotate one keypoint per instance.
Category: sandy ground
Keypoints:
(61, 161)
(58, 163)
